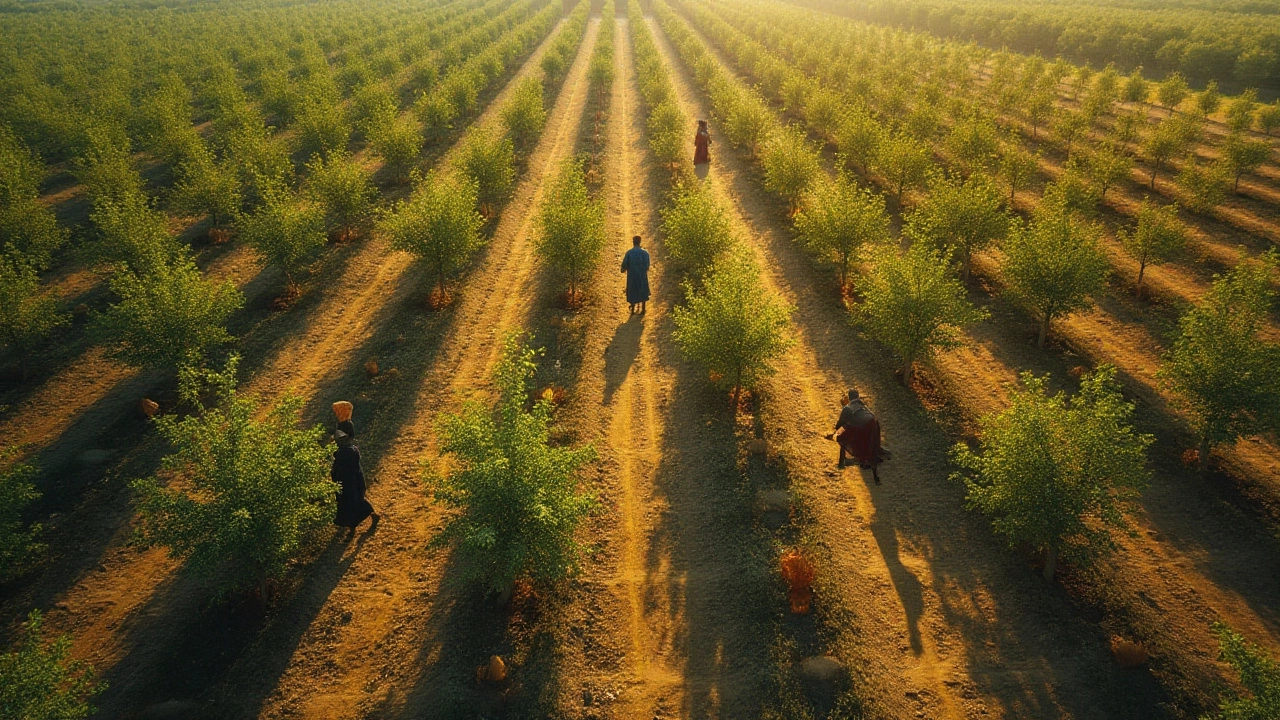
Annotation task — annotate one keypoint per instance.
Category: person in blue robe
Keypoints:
(636, 265)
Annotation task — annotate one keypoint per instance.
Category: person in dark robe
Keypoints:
(858, 433)
(702, 144)
(353, 508)
(635, 263)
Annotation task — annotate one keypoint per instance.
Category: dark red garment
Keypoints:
(858, 433)
(702, 145)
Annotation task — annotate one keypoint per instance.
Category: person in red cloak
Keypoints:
(702, 145)
(858, 433)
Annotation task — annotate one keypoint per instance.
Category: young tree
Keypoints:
(668, 137)
(131, 233)
(903, 160)
(1058, 473)
(1224, 375)
(439, 224)
(975, 143)
(322, 128)
(27, 315)
(913, 304)
(572, 226)
(1127, 129)
(287, 231)
(40, 681)
(749, 121)
(205, 186)
(1244, 156)
(1209, 100)
(242, 490)
(790, 165)
(1240, 111)
(1018, 167)
(397, 140)
(1068, 128)
(20, 546)
(171, 317)
(1269, 118)
(732, 327)
(519, 498)
(1136, 88)
(1106, 168)
(1156, 238)
(1163, 143)
(342, 190)
(1073, 192)
(524, 114)
(1259, 674)
(858, 137)
(1172, 92)
(1205, 185)
(696, 229)
(838, 219)
(959, 218)
(489, 163)
(1055, 266)
(1038, 108)
(28, 229)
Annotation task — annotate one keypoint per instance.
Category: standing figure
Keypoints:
(636, 265)
(353, 508)
(702, 145)
(858, 433)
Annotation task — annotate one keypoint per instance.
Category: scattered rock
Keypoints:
(822, 668)
(1128, 654)
(371, 368)
(173, 710)
(148, 407)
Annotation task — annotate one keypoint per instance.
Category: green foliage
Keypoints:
(1073, 192)
(171, 316)
(342, 190)
(1163, 143)
(1018, 167)
(27, 315)
(1244, 156)
(858, 137)
(40, 681)
(838, 219)
(438, 223)
(205, 186)
(1068, 128)
(959, 218)
(1106, 168)
(322, 128)
(1058, 473)
(790, 164)
(287, 230)
(131, 233)
(668, 133)
(572, 225)
(1268, 117)
(1156, 238)
(20, 547)
(1209, 99)
(1205, 184)
(519, 498)
(696, 229)
(731, 326)
(974, 143)
(1240, 111)
(489, 162)
(28, 230)
(1224, 375)
(1259, 674)
(1055, 266)
(913, 304)
(242, 491)
(524, 114)
(1172, 92)
(903, 160)
(397, 140)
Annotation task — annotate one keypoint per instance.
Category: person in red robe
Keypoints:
(702, 145)
(858, 433)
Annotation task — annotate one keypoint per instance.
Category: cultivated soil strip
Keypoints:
(943, 623)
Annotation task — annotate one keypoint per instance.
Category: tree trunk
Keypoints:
(1142, 268)
(1205, 450)
(1044, 332)
(1050, 562)
(908, 366)
(966, 267)
(1154, 169)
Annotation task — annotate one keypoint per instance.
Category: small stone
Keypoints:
(823, 668)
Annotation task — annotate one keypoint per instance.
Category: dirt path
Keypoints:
(377, 617)
(942, 622)
(117, 609)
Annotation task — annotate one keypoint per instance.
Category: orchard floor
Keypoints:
(678, 611)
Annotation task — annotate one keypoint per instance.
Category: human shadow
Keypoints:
(702, 170)
(621, 354)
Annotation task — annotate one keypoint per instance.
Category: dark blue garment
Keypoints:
(636, 265)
